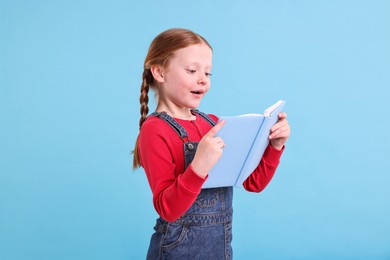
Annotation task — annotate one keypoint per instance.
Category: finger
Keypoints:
(279, 128)
(213, 131)
(279, 124)
(280, 133)
(218, 142)
(282, 115)
(217, 139)
(221, 144)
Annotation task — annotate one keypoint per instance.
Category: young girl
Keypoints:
(177, 146)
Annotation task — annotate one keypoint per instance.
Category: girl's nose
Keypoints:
(202, 80)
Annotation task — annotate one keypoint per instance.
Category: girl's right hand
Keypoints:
(209, 151)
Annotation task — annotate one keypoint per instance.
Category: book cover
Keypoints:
(245, 138)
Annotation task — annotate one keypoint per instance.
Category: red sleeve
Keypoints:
(262, 175)
(174, 191)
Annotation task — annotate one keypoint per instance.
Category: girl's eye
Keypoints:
(194, 71)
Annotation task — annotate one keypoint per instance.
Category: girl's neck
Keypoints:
(179, 113)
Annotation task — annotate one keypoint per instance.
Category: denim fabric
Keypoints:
(205, 230)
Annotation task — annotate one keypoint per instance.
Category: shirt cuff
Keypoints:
(272, 155)
(192, 181)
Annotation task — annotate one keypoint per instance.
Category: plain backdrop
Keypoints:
(70, 74)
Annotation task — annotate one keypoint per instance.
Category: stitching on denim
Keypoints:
(178, 241)
(205, 116)
(172, 122)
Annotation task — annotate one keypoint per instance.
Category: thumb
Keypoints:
(213, 131)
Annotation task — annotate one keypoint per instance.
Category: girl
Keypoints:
(177, 147)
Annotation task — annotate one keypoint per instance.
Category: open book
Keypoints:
(245, 138)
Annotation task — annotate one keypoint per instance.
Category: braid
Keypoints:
(144, 98)
(147, 79)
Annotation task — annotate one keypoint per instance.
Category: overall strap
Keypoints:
(172, 122)
(205, 117)
(177, 127)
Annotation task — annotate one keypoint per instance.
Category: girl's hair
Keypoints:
(160, 52)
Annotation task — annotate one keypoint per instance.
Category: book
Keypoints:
(245, 138)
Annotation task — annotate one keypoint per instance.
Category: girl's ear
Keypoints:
(158, 73)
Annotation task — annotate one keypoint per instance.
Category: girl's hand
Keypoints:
(280, 132)
(209, 151)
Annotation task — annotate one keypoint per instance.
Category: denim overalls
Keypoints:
(205, 230)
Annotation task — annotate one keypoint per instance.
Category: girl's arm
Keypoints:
(174, 189)
(262, 175)
(161, 155)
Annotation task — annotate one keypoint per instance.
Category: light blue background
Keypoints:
(69, 80)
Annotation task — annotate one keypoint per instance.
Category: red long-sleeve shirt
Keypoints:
(162, 157)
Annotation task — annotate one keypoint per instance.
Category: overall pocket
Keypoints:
(174, 236)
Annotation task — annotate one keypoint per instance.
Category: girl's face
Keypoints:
(186, 79)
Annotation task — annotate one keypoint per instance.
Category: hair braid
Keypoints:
(144, 98)
(147, 79)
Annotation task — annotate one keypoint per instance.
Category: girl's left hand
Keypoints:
(280, 132)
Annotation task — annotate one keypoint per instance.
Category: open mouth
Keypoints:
(197, 92)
